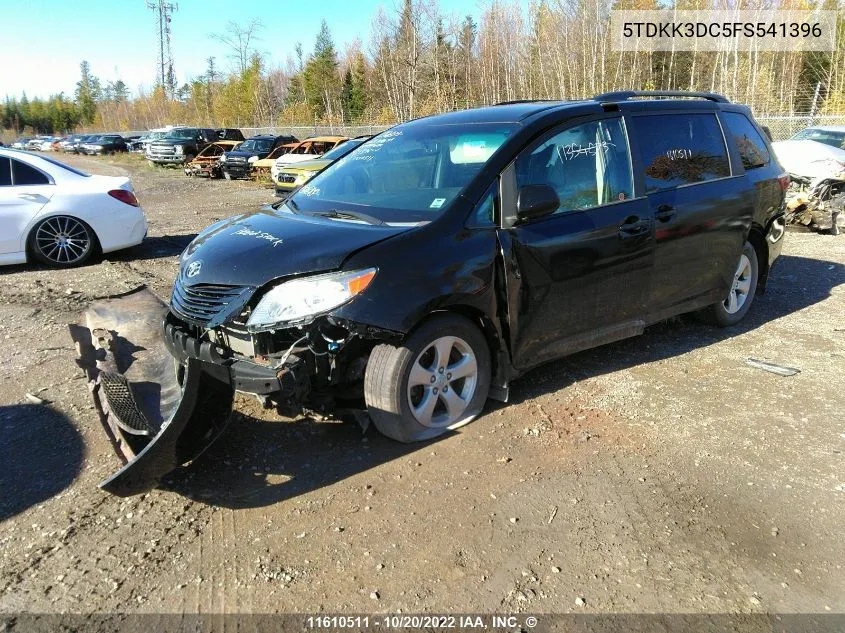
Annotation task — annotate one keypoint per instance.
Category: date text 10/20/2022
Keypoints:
(364, 622)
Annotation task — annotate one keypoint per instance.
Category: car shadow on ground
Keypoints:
(257, 463)
(41, 453)
(794, 283)
(156, 247)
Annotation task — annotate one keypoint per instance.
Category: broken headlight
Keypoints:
(301, 299)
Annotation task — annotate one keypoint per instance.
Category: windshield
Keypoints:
(343, 149)
(255, 145)
(828, 137)
(184, 133)
(408, 174)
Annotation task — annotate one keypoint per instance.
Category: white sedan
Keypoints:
(61, 216)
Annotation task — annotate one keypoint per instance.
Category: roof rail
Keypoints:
(517, 101)
(624, 95)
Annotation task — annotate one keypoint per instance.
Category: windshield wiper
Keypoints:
(349, 215)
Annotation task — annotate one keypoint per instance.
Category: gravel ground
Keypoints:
(659, 474)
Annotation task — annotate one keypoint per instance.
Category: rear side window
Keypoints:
(751, 146)
(23, 174)
(587, 165)
(5, 172)
(681, 149)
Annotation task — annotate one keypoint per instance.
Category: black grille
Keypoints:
(208, 304)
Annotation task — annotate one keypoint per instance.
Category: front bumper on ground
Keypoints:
(159, 414)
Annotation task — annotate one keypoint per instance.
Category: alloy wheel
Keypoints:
(63, 240)
(442, 382)
(741, 286)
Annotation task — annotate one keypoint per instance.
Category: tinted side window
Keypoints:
(5, 172)
(680, 149)
(587, 165)
(23, 174)
(751, 146)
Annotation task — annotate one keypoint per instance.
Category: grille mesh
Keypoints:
(201, 303)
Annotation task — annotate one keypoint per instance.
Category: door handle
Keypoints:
(665, 212)
(633, 227)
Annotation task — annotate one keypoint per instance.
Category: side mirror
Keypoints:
(536, 201)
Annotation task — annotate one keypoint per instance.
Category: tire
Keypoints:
(399, 381)
(733, 309)
(62, 241)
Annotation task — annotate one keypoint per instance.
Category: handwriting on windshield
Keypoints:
(260, 235)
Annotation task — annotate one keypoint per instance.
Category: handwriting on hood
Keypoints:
(260, 235)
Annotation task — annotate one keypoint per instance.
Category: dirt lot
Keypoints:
(660, 474)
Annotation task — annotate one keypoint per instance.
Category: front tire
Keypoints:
(437, 380)
(735, 306)
(62, 241)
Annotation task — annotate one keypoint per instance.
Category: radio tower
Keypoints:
(166, 76)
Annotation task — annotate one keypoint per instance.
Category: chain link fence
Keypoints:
(304, 131)
(784, 127)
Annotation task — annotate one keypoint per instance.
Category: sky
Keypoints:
(43, 41)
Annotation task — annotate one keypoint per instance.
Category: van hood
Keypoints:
(256, 248)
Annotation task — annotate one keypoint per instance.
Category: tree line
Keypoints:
(418, 60)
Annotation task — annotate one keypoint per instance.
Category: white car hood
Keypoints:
(810, 159)
(289, 159)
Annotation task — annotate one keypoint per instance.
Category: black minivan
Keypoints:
(423, 272)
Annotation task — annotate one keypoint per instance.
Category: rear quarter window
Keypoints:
(751, 146)
(681, 149)
(23, 174)
(5, 172)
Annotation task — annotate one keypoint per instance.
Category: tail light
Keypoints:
(124, 196)
(784, 181)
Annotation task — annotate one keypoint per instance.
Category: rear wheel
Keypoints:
(62, 241)
(735, 306)
(436, 381)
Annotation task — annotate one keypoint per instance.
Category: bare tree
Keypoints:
(241, 39)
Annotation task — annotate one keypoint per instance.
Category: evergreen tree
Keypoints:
(87, 93)
(358, 97)
(320, 78)
(346, 95)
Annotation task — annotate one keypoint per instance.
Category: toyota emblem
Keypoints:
(193, 269)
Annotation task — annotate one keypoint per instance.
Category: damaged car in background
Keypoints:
(815, 160)
(206, 164)
(428, 268)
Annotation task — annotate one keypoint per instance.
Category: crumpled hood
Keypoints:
(256, 248)
(809, 158)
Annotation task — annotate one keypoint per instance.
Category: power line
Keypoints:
(166, 75)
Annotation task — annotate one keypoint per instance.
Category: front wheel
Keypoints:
(436, 381)
(735, 306)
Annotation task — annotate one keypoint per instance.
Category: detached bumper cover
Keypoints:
(158, 414)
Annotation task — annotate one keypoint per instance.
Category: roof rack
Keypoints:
(624, 95)
(517, 101)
